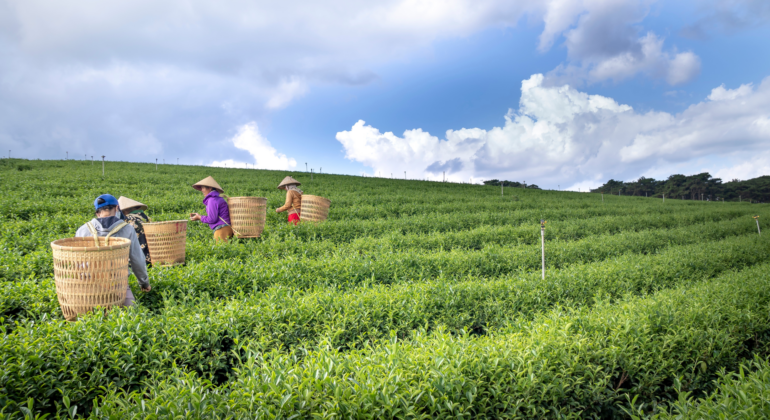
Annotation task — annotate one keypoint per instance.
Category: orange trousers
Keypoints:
(223, 234)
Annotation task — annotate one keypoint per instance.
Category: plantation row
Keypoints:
(566, 364)
(229, 272)
(201, 334)
(414, 300)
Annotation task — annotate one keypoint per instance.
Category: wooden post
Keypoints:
(756, 218)
(542, 244)
(102, 165)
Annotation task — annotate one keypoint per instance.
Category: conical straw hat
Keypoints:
(126, 203)
(208, 182)
(288, 181)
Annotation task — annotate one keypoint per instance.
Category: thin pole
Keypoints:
(757, 220)
(542, 244)
(102, 165)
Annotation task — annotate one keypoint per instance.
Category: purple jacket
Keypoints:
(216, 207)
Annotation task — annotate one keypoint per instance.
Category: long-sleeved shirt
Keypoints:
(293, 198)
(136, 220)
(216, 207)
(103, 227)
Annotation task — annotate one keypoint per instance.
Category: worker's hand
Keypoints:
(195, 216)
(147, 289)
(276, 210)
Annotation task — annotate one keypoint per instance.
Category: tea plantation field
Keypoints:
(415, 300)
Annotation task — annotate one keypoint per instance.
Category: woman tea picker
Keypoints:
(106, 223)
(133, 213)
(217, 212)
(293, 199)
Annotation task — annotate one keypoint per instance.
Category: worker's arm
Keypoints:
(289, 201)
(137, 260)
(212, 212)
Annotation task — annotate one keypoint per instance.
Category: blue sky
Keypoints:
(627, 87)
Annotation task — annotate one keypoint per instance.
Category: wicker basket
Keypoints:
(166, 241)
(247, 215)
(314, 208)
(88, 276)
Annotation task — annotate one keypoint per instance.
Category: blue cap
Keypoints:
(106, 200)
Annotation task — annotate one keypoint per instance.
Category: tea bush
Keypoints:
(414, 300)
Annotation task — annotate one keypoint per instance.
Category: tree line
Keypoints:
(694, 187)
(514, 184)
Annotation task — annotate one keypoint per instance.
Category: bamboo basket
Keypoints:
(314, 208)
(166, 241)
(88, 276)
(247, 216)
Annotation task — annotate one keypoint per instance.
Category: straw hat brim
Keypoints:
(208, 182)
(126, 203)
(288, 181)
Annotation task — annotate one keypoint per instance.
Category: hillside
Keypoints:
(415, 299)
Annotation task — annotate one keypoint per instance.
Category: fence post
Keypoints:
(757, 220)
(542, 244)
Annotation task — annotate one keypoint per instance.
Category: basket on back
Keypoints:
(88, 276)
(314, 208)
(247, 216)
(166, 241)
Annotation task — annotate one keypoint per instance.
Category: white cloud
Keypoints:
(721, 94)
(604, 42)
(179, 71)
(285, 92)
(265, 156)
(560, 135)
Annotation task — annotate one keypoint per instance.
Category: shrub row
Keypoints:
(361, 262)
(564, 364)
(123, 348)
(744, 394)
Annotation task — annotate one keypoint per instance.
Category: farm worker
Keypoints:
(293, 198)
(133, 213)
(217, 211)
(106, 223)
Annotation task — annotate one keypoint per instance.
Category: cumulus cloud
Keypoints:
(265, 156)
(722, 94)
(97, 76)
(604, 42)
(560, 135)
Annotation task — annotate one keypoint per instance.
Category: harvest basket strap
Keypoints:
(117, 228)
(231, 226)
(93, 232)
